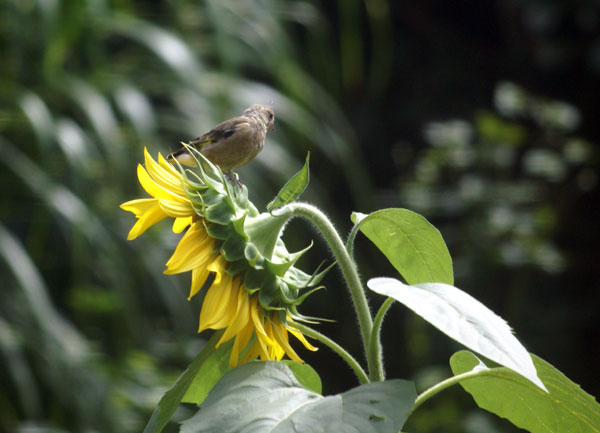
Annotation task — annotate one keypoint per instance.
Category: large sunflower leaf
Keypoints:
(266, 397)
(209, 373)
(305, 374)
(564, 408)
(170, 400)
(412, 245)
(463, 318)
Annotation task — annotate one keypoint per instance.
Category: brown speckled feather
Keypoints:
(234, 142)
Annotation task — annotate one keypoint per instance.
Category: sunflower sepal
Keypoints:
(275, 292)
(236, 267)
(233, 249)
(258, 279)
(299, 278)
(265, 230)
(253, 256)
(210, 174)
(281, 268)
(239, 224)
(218, 231)
(220, 212)
(298, 299)
(298, 317)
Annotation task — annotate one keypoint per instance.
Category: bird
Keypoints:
(232, 143)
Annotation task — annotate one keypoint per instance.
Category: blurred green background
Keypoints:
(482, 116)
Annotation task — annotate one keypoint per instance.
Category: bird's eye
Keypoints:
(270, 115)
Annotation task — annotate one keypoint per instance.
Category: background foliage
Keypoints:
(480, 116)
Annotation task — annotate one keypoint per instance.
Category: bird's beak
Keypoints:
(271, 127)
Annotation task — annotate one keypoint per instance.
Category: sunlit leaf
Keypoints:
(209, 373)
(266, 396)
(306, 375)
(412, 245)
(565, 408)
(463, 318)
(170, 400)
(293, 188)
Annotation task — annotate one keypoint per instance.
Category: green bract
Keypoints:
(250, 241)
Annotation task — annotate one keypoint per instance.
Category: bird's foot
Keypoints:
(233, 178)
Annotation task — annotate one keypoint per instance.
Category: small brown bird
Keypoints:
(232, 143)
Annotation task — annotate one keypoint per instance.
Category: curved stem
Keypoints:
(347, 266)
(374, 351)
(353, 363)
(447, 383)
(350, 240)
(374, 354)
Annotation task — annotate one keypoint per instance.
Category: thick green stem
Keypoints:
(353, 363)
(347, 266)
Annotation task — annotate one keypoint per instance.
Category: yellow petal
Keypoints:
(218, 266)
(275, 351)
(242, 314)
(152, 188)
(280, 334)
(180, 223)
(199, 276)
(153, 215)
(252, 352)
(195, 249)
(139, 206)
(169, 180)
(300, 336)
(167, 166)
(219, 305)
(257, 316)
(176, 209)
(263, 342)
(240, 343)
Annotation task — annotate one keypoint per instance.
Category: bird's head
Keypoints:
(263, 112)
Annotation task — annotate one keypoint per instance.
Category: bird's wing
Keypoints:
(220, 132)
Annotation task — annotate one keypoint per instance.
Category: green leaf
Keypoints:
(306, 375)
(266, 396)
(213, 368)
(292, 189)
(412, 245)
(171, 399)
(566, 408)
(463, 318)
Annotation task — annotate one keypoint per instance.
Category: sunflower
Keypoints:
(259, 331)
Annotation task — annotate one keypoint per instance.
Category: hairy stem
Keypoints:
(375, 342)
(447, 383)
(353, 363)
(350, 240)
(347, 266)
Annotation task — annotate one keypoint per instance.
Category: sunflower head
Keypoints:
(234, 253)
